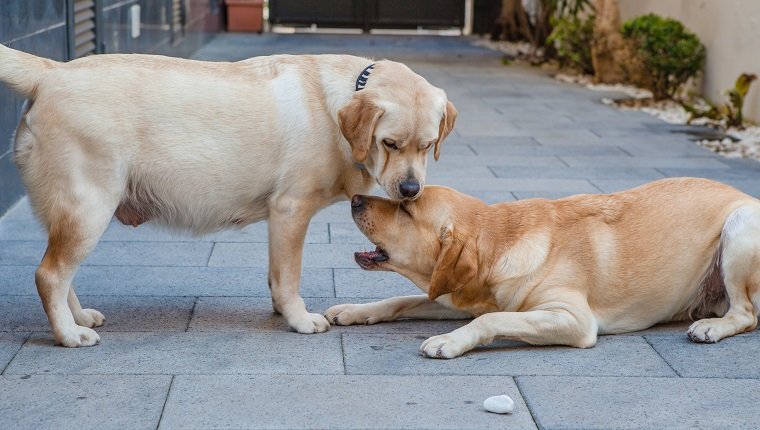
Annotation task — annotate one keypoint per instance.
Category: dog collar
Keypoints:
(361, 81)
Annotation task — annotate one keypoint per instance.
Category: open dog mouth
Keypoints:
(370, 259)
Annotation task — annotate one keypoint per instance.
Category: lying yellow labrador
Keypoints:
(564, 271)
(205, 146)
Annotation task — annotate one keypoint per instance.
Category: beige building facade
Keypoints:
(729, 29)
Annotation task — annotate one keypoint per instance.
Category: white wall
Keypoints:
(729, 29)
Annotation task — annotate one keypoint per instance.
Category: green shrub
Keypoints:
(667, 54)
(572, 37)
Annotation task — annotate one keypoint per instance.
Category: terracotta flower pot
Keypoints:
(245, 15)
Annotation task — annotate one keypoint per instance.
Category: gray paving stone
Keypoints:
(361, 283)
(733, 357)
(170, 353)
(641, 403)
(341, 232)
(168, 281)
(398, 354)
(436, 171)
(20, 211)
(716, 174)
(615, 185)
(23, 252)
(514, 160)
(665, 148)
(123, 313)
(586, 172)
(256, 254)
(492, 197)
(254, 314)
(82, 402)
(496, 149)
(522, 195)
(693, 162)
(340, 402)
(10, 343)
(468, 185)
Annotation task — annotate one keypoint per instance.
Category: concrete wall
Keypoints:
(729, 29)
(39, 27)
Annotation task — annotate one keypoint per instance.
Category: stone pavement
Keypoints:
(190, 340)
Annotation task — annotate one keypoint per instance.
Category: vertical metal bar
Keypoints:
(99, 43)
(70, 31)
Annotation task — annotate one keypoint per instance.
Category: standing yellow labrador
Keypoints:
(204, 146)
(561, 272)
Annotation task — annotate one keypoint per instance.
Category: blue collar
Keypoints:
(361, 81)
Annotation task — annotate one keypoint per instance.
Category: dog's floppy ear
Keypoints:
(447, 124)
(357, 121)
(456, 266)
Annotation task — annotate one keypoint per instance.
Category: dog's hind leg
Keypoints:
(73, 234)
(740, 259)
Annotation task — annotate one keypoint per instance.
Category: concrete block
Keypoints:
(168, 281)
(256, 255)
(733, 357)
(637, 403)
(578, 172)
(170, 353)
(123, 313)
(398, 355)
(340, 402)
(10, 343)
(648, 161)
(254, 314)
(361, 283)
(82, 401)
(116, 253)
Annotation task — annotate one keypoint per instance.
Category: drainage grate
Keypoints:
(82, 28)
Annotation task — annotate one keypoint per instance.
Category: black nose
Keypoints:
(357, 202)
(409, 188)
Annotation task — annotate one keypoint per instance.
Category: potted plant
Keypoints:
(245, 15)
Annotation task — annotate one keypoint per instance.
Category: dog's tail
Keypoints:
(22, 71)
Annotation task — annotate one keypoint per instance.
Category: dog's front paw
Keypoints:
(77, 336)
(708, 330)
(89, 318)
(443, 346)
(349, 314)
(308, 323)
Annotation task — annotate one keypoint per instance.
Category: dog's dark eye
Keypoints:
(390, 144)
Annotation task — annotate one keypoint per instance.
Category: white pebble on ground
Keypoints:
(499, 404)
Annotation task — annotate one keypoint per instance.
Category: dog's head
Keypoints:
(432, 240)
(391, 125)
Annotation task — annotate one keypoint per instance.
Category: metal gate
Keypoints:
(368, 14)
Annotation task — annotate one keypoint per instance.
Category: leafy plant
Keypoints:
(667, 54)
(731, 112)
(572, 37)
(736, 99)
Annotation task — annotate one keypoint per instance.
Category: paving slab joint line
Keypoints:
(623, 150)
(490, 169)
(334, 288)
(192, 314)
(516, 380)
(166, 400)
(562, 160)
(28, 335)
(208, 260)
(594, 185)
(343, 353)
(661, 357)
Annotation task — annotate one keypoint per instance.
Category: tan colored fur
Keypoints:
(205, 146)
(564, 271)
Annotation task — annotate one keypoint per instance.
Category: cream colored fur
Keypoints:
(205, 146)
(562, 272)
